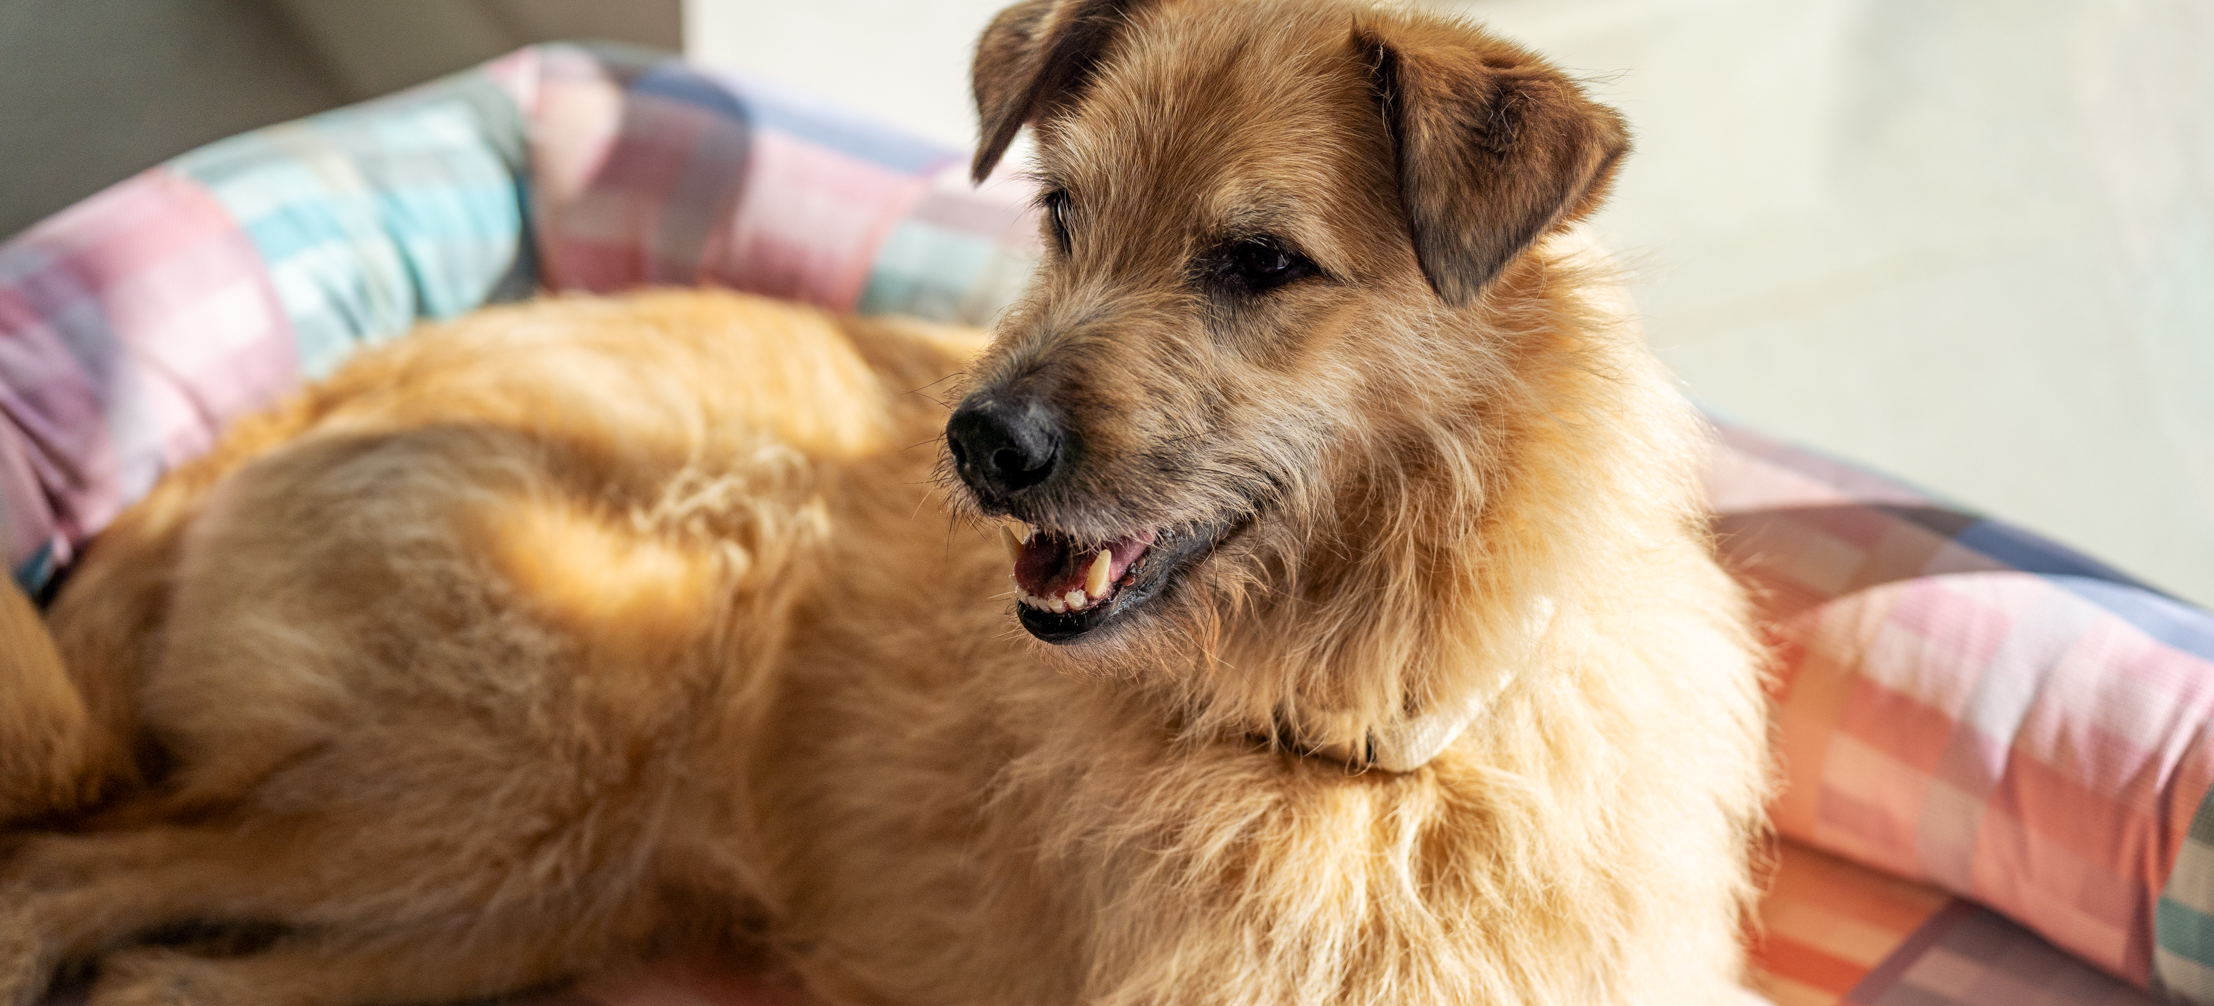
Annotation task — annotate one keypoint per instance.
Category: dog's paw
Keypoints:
(155, 976)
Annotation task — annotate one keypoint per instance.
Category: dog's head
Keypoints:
(1282, 241)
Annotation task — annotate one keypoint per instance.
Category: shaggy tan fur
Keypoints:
(583, 631)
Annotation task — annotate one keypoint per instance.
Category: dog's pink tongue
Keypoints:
(1051, 565)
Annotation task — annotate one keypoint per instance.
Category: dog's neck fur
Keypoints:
(1407, 744)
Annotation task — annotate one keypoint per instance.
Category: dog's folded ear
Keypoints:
(1034, 56)
(1495, 147)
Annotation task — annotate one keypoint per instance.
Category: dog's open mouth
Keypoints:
(1065, 588)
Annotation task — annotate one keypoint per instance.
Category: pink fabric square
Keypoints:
(2071, 899)
(1871, 806)
(2116, 717)
(809, 222)
(1898, 724)
(1956, 626)
(155, 324)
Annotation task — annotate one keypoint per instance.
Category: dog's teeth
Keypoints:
(1025, 532)
(1014, 544)
(1056, 605)
(1095, 581)
(1075, 598)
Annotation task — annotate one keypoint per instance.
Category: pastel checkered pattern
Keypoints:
(1836, 933)
(1970, 956)
(1826, 923)
(1961, 704)
(135, 324)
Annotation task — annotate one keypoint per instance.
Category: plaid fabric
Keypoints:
(134, 325)
(1826, 923)
(656, 173)
(1969, 956)
(1838, 933)
(368, 218)
(1963, 703)
(131, 326)
(1835, 933)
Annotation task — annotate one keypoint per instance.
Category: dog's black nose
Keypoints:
(1003, 444)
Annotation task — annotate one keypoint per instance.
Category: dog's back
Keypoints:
(459, 645)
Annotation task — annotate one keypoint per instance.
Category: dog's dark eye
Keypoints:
(1057, 214)
(1258, 265)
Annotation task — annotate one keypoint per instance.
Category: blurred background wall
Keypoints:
(1970, 242)
(91, 91)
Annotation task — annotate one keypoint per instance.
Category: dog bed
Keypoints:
(1997, 751)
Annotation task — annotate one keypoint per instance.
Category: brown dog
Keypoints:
(1364, 645)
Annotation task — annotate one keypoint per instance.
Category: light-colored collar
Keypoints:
(1408, 744)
